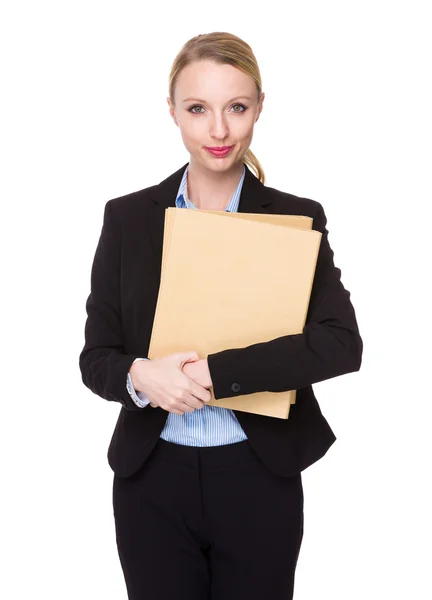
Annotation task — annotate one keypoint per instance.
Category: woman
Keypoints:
(208, 502)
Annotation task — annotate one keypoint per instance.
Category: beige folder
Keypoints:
(229, 280)
(297, 221)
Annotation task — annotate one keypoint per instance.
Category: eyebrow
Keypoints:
(199, 100)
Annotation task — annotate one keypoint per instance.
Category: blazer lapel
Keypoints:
(254, 198)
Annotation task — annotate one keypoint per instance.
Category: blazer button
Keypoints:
(236, 387)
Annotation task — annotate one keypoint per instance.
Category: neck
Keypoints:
(209, 190)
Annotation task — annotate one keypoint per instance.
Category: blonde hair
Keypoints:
(223, 48)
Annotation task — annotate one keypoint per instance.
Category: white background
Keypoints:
(347, 122)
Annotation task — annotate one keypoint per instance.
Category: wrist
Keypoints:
(134, 372)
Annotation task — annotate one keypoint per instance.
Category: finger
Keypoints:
(199, 391)
(175, 411)
(186, 356)
(186, 406)
(194, 402)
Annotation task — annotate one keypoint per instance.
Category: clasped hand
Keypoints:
(178, 382)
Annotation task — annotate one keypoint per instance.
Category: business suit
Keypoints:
(125, 280)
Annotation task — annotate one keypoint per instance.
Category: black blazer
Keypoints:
(125, 279)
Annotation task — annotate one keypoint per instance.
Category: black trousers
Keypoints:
(208, 523)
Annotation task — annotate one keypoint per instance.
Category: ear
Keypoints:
(171, 111)
(260, 106)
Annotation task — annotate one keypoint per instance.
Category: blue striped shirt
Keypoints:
(210, 425)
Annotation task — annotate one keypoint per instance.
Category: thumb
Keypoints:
(184, 357)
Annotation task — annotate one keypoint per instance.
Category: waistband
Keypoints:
(211, 456)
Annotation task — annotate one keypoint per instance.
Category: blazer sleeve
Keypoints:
(103, 363)
(330, 344)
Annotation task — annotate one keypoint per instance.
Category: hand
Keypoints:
(166, 386)
(198, 371)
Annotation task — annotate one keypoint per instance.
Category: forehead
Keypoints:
(216, 81)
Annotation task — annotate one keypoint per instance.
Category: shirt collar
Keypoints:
(182, 200)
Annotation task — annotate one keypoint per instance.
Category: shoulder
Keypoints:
(132, 205)
(286, 203)
(128, 201)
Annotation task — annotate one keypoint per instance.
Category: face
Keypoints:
(215, 105)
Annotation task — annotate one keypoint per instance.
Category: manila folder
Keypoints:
(229, 283)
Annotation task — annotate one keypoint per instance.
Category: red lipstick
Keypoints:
(219, 151)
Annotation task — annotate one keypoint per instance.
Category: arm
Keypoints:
(104, 365)
(330, 344)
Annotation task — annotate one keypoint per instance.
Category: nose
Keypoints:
(218, 128)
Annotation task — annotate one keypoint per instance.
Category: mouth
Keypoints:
(219, 151)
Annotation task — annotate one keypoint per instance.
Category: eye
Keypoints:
(191, 109)
(194, 106)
